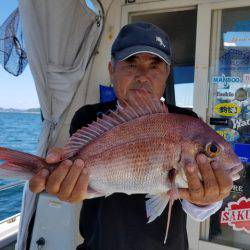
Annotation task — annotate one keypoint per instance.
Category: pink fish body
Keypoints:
(136, 155)
(140, 148)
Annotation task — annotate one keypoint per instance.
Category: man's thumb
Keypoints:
(184, 194)
(54, 155)
(38, 182)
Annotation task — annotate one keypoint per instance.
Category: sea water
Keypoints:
(18, 131)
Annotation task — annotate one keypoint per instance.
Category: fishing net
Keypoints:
(12, 54)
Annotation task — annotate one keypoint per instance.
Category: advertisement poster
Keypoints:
(229, 114)
(231, 119)
(237, 215)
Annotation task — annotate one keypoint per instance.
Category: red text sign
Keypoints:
(237, 215)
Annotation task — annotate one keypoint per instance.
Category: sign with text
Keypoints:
(225, 94)
(227, 109)
(237, 215)
(225, 81)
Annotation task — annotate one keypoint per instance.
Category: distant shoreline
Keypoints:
(29, 111)
(23, 112)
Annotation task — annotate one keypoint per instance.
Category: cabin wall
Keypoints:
(113, 22)
(99, 74)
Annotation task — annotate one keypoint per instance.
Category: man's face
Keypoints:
(141, 71)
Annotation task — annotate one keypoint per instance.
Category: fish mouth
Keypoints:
(235, 169)
(233, 172)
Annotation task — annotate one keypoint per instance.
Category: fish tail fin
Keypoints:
(18, 164)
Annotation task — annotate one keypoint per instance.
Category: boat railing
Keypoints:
(10, 219)
(11, 185)
(9, 226)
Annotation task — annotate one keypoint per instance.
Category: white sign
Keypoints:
(225, 94)
(246, 78)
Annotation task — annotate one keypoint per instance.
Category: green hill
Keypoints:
(12, 110)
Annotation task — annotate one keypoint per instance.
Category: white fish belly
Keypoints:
(129, 181)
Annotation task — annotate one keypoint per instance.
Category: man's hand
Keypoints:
(216, 184)
(68, 182)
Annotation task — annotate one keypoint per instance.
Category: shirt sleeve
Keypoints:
(200, 213)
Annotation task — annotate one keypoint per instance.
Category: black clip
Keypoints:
(40, 241)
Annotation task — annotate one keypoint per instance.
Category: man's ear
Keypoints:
(111, 71)
(168, 70)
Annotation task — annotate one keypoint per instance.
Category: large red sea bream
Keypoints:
(139, 148)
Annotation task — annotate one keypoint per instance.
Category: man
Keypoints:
(140, 60)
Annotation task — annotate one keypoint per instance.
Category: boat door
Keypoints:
(180, 25)
(211, 75)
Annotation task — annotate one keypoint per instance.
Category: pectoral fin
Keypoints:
(155, 205)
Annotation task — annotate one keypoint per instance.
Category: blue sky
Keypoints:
(17, 92)
(20, 92)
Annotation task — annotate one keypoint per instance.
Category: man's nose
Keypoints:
(141, 76)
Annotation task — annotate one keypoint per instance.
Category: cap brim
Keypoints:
(128, 52)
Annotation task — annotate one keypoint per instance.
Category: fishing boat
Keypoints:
(67, 46)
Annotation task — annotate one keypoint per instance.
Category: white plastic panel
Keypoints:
(57, 222)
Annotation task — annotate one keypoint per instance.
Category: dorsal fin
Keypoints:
(140, 104)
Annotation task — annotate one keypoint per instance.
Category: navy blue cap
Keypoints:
(141, 37)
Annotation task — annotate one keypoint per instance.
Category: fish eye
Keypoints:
(212, 149)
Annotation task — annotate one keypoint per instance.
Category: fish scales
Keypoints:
(151, 126)
(143, 169)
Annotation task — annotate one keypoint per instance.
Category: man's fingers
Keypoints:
(57, 176)
(37, 182)
(194, 184)
(79, 192)
(184, 194)
(225, 181)
(211, 188)
(215, 185)
(54, 155)
(70, 180)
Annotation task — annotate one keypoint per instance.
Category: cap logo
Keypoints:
(159, 40)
